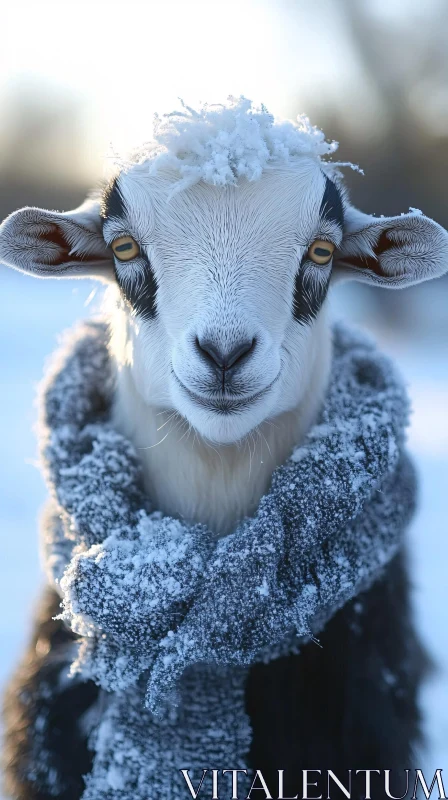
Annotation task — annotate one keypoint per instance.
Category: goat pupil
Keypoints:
(121, 247)
(321, 251)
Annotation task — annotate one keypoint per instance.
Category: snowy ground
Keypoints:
(33, 312)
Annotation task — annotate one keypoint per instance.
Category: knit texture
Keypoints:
(171, 619)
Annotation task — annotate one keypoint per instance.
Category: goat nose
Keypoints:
(224, 360)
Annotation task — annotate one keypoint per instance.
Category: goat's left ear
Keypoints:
(49, 244)
(393, 252)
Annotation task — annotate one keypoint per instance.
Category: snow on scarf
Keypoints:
(171, 619)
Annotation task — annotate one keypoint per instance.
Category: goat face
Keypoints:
(221, 295)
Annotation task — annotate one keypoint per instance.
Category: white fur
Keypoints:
(189, 477)
(225, 260)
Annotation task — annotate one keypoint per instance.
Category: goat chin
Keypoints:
(189, 477)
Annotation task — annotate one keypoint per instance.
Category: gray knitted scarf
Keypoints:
(170, 619)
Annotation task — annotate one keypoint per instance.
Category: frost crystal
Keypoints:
(218, 144)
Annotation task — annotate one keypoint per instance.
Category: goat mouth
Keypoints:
(225, 405)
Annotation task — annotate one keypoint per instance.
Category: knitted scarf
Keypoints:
(170, 619)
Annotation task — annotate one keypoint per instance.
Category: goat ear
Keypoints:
(59, 245)
(393, 252)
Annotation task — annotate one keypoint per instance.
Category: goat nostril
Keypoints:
(210, 352)
(242, 349)
(221, 359)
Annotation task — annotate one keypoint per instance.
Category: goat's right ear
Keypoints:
(57, 245)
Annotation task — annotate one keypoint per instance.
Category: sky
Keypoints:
(99, 70)
(120, 62)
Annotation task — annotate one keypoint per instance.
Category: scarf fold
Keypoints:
(167, 614)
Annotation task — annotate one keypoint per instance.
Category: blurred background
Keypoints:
(82, 80)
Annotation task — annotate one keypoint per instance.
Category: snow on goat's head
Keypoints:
(208, 234)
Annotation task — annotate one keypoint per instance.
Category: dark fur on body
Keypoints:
(45, 752)
(350, 703)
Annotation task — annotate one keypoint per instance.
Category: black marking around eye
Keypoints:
(112, 202)
(331, 207)
(310, 291)
(140, 291)
(309, 294)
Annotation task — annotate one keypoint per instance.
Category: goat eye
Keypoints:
(321, 252)
(125, 248)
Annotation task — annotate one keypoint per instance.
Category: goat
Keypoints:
(219, 249)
